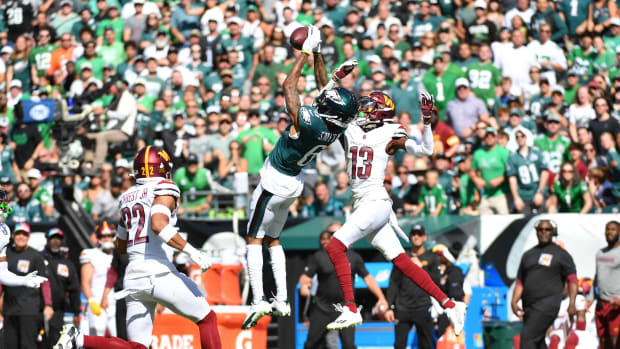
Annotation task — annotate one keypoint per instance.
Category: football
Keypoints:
(298, 37)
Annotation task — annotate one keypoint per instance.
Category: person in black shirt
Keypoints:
(409, 304)
(63, 280)
(18, 16)
(28, 141)
(328, 293)
(22, 305)
(604, 122)
(451, 283)
(543, 271)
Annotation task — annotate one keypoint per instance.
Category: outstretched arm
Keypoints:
(400, 139)
(320, 72)
(290, 90)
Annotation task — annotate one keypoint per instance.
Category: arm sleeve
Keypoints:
(46, 292)
(424, 149)
(7, 278)
(358, 266)
(111, 277)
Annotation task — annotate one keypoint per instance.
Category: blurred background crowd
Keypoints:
(528, 100)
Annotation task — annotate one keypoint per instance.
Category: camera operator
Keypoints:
(121, 117)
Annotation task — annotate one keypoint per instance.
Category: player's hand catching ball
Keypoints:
(344, 69)
(313, 40)
(426, 105)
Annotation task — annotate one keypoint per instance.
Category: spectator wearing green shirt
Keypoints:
(41, 55)
(257, 142)
(26, 208)
(527, 175)
(604, 59)
(468, 195)
(485, 78)
(433, 198)
(90, 56)
(575, 14)
(113, 21)
(113, 52)
(63, 20)
(86, 21)
(41, 193)
(553, 145)
(569, 192)
(191, 179)
(440, 83)
(403, 90)
(489, 174)
(267, 67)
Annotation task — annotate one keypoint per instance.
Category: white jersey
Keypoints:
(367, 158)
(100, 261)
(148, 254)
(5, 237)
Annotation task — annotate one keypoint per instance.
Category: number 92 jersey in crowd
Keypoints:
(5, 237)
(292, 153)
(146, 251)
(367, 159)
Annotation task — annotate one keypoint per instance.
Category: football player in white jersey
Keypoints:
(148, 218)
(368, 146)
(6, 277)
(94, 270)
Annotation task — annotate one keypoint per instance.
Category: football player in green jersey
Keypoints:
(527, 175)
(313, 128)
(569, 193)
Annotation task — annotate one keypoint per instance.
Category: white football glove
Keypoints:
(344, 69)
(312, 41)
(32, 280)
(426, 104)
(199, 258)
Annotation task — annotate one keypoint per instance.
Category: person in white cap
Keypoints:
(16, 92)
(463, 112)
(148, 7)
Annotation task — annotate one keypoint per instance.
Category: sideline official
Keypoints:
(22, 308)
(409, 304)
(543, 271)
(64, 281)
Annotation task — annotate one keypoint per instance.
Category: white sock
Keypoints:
(255, 271)
(79, 340)
(278, 265)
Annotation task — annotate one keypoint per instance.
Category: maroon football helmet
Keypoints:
(152, 162)
(375, 109)
(105, 229)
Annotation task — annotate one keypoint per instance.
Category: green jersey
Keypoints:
(569, 199)
(40, 57)
(188, 183)
(244, 46)
(117, 25)
(575, 12)
(484, 79)
(253, 140)
(292, 154)
(43, 195)
(527, 170)
(432, 197)
(604, 62)
(491, 163)
(31, 212)
(96, 62)
(555, 152)
(467, 190)
(613, 159)
(582, 62)
(442, 87)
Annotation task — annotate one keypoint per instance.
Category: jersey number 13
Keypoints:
(364, 155)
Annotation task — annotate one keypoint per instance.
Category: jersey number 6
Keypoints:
(365, 154)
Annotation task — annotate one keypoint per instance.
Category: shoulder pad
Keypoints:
(305, 114)
(85, 256)
(167, 187)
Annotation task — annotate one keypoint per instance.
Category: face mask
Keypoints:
(108, 245)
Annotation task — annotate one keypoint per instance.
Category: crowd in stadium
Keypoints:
(203, 80)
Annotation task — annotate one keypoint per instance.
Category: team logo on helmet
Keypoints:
(150, 158)
(376, 109)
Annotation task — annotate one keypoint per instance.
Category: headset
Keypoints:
(553, 225)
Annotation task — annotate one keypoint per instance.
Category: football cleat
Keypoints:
(257, 311)
(346, 319)
(457, 316)
(280, 308)
(68, 338)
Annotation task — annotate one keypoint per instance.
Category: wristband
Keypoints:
(306, 52)
(167, 233)
(189, 249)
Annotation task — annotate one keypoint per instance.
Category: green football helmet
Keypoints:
(338, 106)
